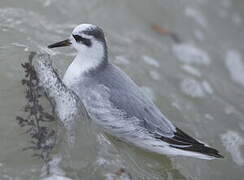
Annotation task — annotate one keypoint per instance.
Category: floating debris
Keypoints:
(166, 32)
(120, 174)
(36, 120)
(67, 105)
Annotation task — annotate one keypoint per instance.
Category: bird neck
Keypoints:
(84, 64)
(91, 58)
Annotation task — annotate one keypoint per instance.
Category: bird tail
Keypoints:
(201, 149)
(190, 146)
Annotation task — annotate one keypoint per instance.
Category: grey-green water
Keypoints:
(197, 84)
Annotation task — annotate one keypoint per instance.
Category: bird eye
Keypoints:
(82, 40)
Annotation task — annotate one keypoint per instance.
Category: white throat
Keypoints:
(80, 65)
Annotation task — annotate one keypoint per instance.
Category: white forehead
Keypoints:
(82, 27)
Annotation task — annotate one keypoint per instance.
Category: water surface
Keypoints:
(198, 84)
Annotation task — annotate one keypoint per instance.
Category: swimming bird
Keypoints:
(116, 103)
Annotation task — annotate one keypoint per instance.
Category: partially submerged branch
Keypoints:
(36, 120)
(166, 32)
(40, 76)
(68, 106)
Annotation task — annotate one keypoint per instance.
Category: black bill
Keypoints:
(60, 44)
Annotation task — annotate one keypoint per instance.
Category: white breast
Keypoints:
(73, 74)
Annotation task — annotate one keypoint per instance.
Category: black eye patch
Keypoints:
(82, 40)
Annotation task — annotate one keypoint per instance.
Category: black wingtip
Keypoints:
(185, 142)
(200, 148)
(197, 146)
(219, 156)
(210, 152)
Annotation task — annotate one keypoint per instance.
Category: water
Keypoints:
(198, 84)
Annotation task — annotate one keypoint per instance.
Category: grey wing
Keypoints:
(127, 97)
(139, 106)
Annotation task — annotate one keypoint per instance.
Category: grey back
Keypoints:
(127, 97)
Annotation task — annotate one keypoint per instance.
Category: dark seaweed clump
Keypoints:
(36, 120)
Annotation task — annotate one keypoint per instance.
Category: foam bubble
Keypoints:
(242, 126)
(57, 177)
(154, 75)
(226, 3)
(192, 88)
(150, 61)
(233, 143)
(230, 109)
(223, 13)
(191, 70)
(207, 87)
(121, 60)
(190, 54)
(5, 176)
(120, 174)
(199, 35)
(236, 18)
(102, 161)
(196, 15)
(235, 66)
(209, 116)
(56, 173)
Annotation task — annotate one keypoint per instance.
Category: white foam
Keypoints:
(192, 88)
(207, 87)
(5, 176)
(57, 177)
(223, 13)
(150, 61)
(229, 109)
(191, 70)
(199, 35)
(226, 3)
(154, 75)
(236, 18)
(121, 60)
(196, 15)
(47, 3)
(190, 54)
(234, 64)
(56, 173)
(209, 116)
(242, 126)
(54, 166)
(114, 176)
(102, 162)
(17, 44)
(233, 143)
(101, 139)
